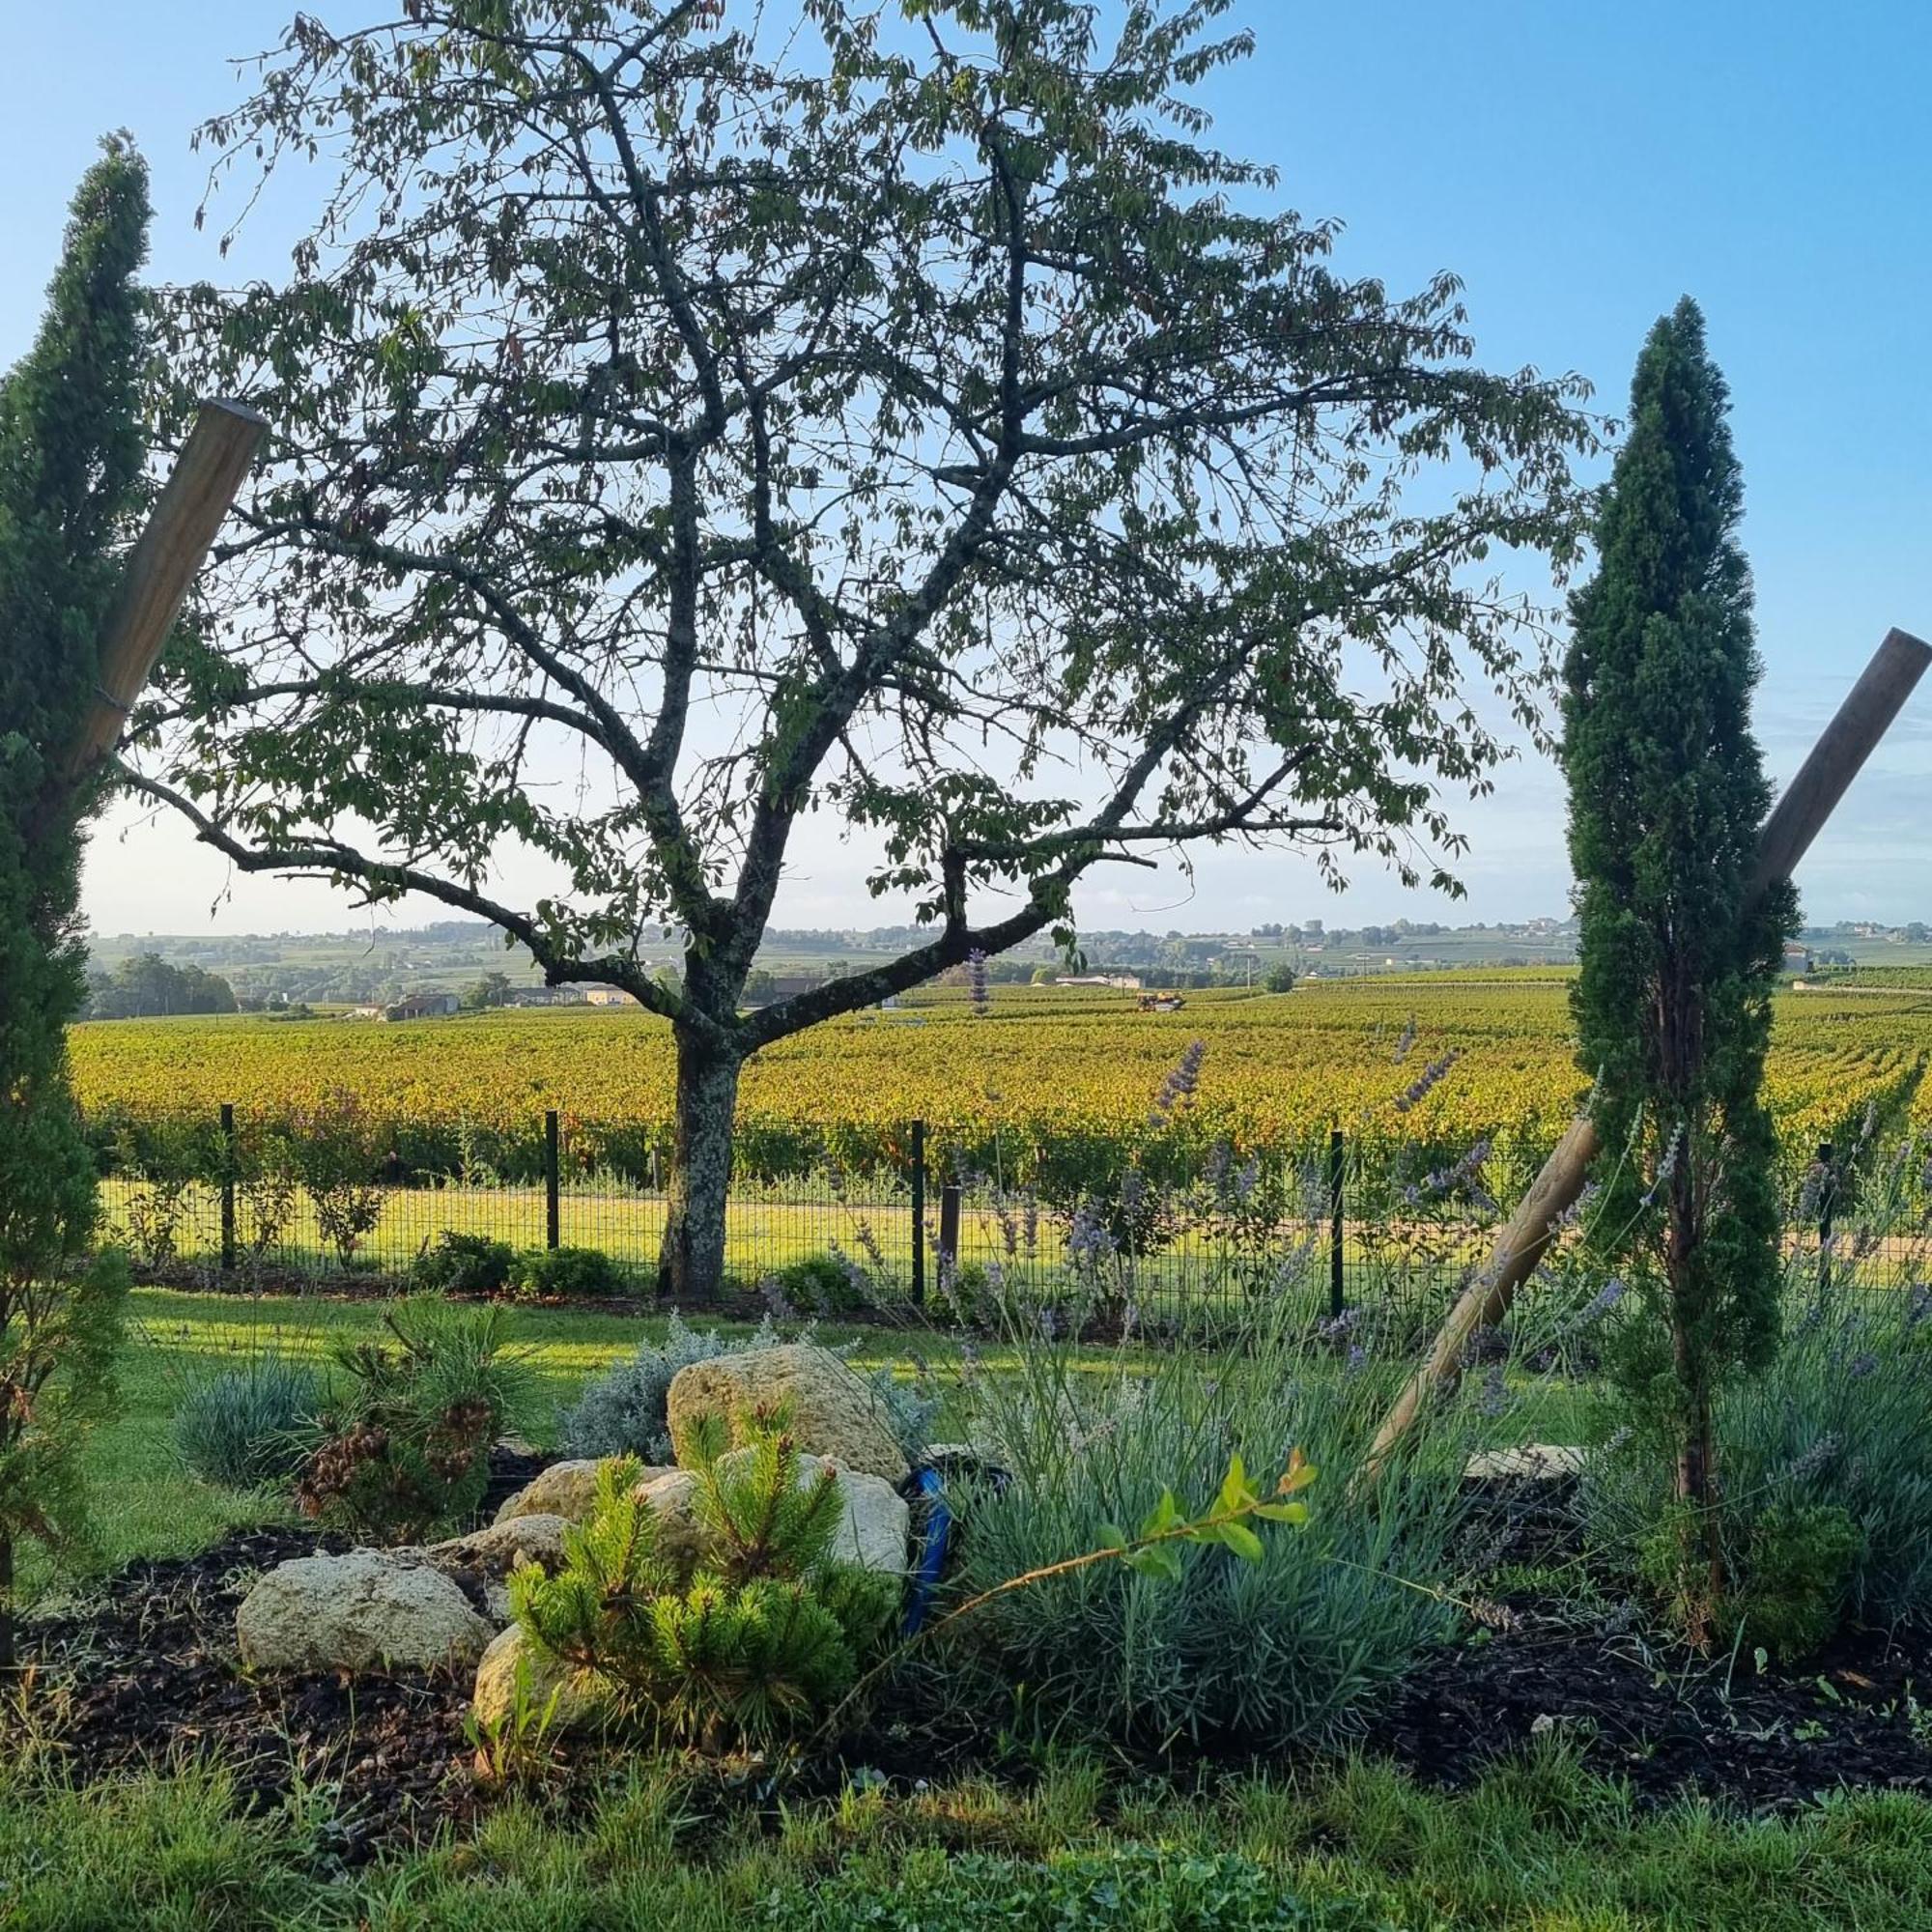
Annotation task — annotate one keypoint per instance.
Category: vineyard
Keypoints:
(1046, 1089)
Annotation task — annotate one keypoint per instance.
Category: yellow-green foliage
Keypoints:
(764, 1634)
(1020, 1092)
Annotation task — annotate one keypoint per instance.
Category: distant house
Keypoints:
(422, 1007)
(1797, 957)
(544, 996)
(608, 996)
(1124, 982)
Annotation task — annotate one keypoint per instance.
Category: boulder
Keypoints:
(370, 1609)
(1536, 1462)
(672, 1495)
(482, 1561)
(833, 1412)
(581, 1695)
(568, 1489)
(496, 1550)
(875, 1522)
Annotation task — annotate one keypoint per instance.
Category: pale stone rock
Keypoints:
(581, 1695)
(370, 1609)
(568, 1489)
(832, 1410)
(1544, 1461)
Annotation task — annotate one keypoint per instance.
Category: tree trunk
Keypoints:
(691, 1264)
(1700, 1557)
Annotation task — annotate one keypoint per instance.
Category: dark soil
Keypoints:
(1589, 1668)
(145, 1669)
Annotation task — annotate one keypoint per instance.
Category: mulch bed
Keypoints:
(1595, 1673)
(144, 1669)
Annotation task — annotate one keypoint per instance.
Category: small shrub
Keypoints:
(1269, 1651)
(1797, 1574)
(1836, 1431)
(622, 1412)
(165, 1163)
(573, 1273)
(462, 1263)
(406, 1434)
(764, 1635)
(249, 1427)
(334, 1150)
(821, 1285)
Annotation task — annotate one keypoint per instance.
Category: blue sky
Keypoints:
(1579, 166)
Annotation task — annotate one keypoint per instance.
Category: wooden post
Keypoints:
(1839, 754)
(918, 1212)
(161, 566)
(948, 1229)
(1486, 1300)
(1809, 801)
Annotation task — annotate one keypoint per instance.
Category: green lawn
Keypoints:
(146, 1505)
(1538, 1847)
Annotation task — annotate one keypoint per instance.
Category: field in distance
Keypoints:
(1071, 1067)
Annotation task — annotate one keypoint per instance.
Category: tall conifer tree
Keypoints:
(1668, 793)
(70, 456)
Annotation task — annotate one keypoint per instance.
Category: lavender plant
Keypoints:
(1279, 1649)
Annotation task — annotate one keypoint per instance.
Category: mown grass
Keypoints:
(145, 1504)
(1538, 1847)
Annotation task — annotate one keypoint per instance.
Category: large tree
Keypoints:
(690, 421)
(71, 458)
(1678, 952)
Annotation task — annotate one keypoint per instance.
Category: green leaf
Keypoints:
(1242, 1541)
(1162, 1561)
(1283, 1511)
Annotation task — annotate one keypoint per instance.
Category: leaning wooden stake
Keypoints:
(1809, 801)
(161, 566)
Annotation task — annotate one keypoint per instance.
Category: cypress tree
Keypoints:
(71, 458)
(1668, 793)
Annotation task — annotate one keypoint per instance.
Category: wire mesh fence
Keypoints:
(1337, 1227)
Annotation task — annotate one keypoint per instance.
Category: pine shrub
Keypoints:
(406, 1433)
(763, 1636)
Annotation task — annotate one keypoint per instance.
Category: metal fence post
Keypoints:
(918, 1211)
(1337, 1299)
(948, 1227)
(1827, 1201)
(228, 1167)
(551, 1180)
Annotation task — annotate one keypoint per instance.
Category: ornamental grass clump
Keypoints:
(761, 1638)
(251, 1427)
(1280, 1645)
